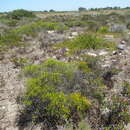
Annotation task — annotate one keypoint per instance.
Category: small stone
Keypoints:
(106, 65)
(114, 53)
(74, 34)
(3, 107)
(123, 42)
(70, 37)
(121, 47)
(54, 57)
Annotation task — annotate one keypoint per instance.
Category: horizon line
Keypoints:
(87, 9)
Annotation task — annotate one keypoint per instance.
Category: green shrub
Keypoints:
(20, 13)
(118, 115)
(56, 92)
(75, 23)
(84, 67)
(86, 41)
(13, 37)
(45, 97)
(92, 26)
(31, 70)
(10, 39)
(19, 61)
(32, 29)
(103, 29)
(45, 100)
(51, 67)
(12, 22)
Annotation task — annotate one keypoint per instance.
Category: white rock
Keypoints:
(54, 57)
(67, 49)
(123, 42)
(121, 47)
(70, 37)
(92, 54)
(103, 53)
(114, 52)
(128, 127)
(105, 111)
(106, 65)
(3, 107)
(74, 34)
(50, 32)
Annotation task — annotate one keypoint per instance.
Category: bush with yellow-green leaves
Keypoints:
(47, 100)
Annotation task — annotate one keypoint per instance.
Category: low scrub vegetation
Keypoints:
(34, 28)
(14, 37)
(79, 90)
(86, 41)
(103, 29)
(10, 39)
(61, 93)
(49, 98)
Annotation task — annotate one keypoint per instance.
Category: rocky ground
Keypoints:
(36, 52)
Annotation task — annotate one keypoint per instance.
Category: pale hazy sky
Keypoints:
(60, 5)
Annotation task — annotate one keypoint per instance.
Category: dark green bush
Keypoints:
(20, 13)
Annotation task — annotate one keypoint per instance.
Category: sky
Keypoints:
(58, 5)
